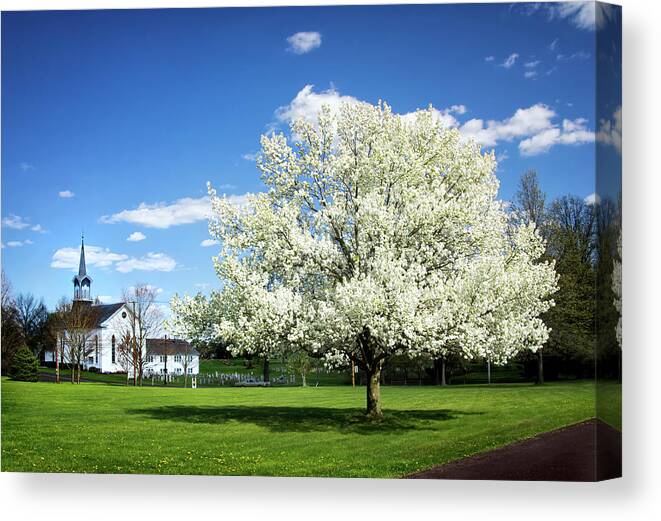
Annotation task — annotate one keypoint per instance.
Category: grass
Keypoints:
(285, 431)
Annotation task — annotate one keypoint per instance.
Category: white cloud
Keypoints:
(149, 262)
(66, 194)
(531, 64)
(573, 132)
(307, 104)
(524, 122)
(510, 61)
(18, 244)
(208, 242)
(304, 42)
(163, 215)
(131, 289)
(529, 75)
(15, 222)
(26, 167)
(106, 299)
(610, 131)
(249, 157)
(136, 236)
(444, 116)
(489, 59)
(592, 199)
(203, 285)
(554, 45)
(95, 256)
(502, 156)
(583, 15)
(579, 55)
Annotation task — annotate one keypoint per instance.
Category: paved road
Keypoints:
(568, 454)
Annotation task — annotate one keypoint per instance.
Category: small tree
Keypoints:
(300, 362)
(146, 322)
(126, 354)
(25, 366)
(75, 323)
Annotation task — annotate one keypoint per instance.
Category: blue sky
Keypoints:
(113, 121)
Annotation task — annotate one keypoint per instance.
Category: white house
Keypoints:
(111, 322)
(171, 356)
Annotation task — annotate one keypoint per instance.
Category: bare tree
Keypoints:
(187, 353)
(147, 321)
(75, 323)
(126, 354)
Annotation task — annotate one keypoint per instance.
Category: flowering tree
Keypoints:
(376, 236)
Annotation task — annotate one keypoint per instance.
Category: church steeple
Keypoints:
(82, 282)
(82, 269)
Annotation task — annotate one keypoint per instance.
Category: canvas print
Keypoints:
(342, 241)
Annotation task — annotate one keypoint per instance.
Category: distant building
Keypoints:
(111, 322)
(171, 356)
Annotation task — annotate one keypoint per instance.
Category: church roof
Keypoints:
(169, 346)
(104, 311)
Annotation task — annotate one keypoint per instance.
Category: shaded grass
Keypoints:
(271, 431)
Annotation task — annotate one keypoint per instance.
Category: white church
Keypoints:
(163, 355)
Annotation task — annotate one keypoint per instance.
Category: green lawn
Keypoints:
(288, 431)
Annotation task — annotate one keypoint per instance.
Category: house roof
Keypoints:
(169, 346)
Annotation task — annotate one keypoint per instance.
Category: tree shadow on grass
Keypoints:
(305, 419)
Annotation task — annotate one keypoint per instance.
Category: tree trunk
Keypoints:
(540, 367)
(374, 393)
(78, 379)
(73, 372)
(303, 379)
(443, 382)
(267, 375)
(57, 367)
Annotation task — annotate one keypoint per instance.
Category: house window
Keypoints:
(162, 357)
(190, 370)
(150, 359)
(96, 349)
(177, 358)
(113, 349)
(190, 358)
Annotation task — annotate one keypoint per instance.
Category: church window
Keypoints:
(113, 350)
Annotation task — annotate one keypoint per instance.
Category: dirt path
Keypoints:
(567, 454)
